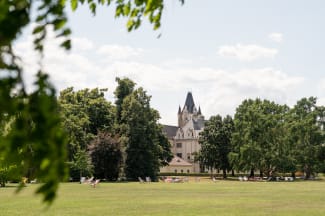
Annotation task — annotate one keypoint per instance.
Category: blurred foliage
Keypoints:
(35, 139)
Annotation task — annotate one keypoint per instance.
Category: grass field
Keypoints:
(192, 198)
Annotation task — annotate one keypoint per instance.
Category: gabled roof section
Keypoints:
(189, 102)
(199, 124)
(169, 131)
(177, 161)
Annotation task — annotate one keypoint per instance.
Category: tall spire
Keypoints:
(189, 102)
(179, 109)
(199, 112)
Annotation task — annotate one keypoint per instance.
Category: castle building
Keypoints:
(184, 138)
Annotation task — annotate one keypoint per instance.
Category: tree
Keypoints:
(124, 88)
(259, 136)
(215, 142)
(35, 139)
(84, 113)
(47, 137)
(165, 154)
(306, 135)
(82, 163)
(6, 172)
(142, 135)
(106, 156)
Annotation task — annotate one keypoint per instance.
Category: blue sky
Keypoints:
(222, 51)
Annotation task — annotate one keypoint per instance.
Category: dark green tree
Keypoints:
(106, 156)
(142, 135)
(165, 154)
(124, 88)
(215, 142)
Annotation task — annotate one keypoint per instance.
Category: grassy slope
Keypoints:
(193, 198)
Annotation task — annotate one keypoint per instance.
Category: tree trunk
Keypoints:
(252, 173)
(261, 173)
(232, 173)
(224, 173)
(293, 175)
(211, 172)
(3, 183)
(307, 172)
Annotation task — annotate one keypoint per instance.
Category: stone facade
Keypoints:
(184, 137)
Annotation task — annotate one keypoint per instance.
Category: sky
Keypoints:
(221, 51)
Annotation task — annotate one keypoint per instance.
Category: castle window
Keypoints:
(188, 171)
(179, 145)
(175, 170)
(181, 171)
(179, 155)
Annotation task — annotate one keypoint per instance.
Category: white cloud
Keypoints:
(218, 91)
(82, 44)
(248, 52)
(118, 52)
(276, 37)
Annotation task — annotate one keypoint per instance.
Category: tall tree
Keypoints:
(125, 87)
(142, 135)
(306, 135)
(215, 143)
(47, 138)
(258, 136)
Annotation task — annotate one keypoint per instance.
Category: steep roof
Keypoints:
(189, 102)
(169, 130)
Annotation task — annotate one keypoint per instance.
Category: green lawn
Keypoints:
(193, 198)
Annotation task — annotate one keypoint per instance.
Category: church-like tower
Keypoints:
(189, 112)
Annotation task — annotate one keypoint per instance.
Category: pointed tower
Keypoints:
(199, 112)
(188, 112)
(189, 103)
(179, 115)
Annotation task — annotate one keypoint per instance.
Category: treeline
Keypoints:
(88, 134)
(267, 138)
(113, 141)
